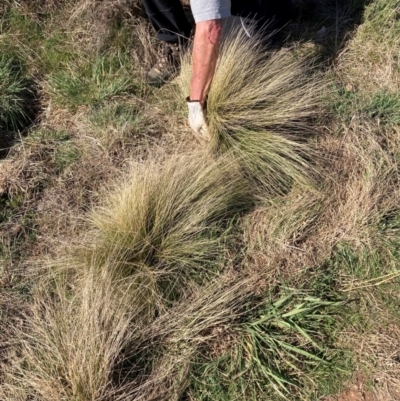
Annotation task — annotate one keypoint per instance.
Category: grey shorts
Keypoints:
(205, 10)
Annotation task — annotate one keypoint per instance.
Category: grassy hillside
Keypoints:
(136, 264)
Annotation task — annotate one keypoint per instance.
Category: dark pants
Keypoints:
(268, 14)
(168, 19)
(172, 25)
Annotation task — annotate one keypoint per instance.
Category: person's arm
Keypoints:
(208, 15)
(205, 55)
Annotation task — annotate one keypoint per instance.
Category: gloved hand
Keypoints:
(197, 120)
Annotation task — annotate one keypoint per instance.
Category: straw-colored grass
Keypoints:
(72, 342)
(260, 107)
(175, 293)
(170, 219)
(87, 339)
(358, 195)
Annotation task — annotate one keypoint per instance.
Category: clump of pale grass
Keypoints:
(259, 106)
(169, 220)
(73, 340)
(88, 339)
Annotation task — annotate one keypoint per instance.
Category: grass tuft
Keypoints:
(116, 123)
(105, 79)
(260, 107)
(74, 338)
(169, 221)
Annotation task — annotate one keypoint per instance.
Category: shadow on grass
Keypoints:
(327, 23)
(31, 111)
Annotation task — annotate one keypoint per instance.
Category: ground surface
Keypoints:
(262, 266)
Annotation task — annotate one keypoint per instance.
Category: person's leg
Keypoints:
(173, 28)
(168, 19)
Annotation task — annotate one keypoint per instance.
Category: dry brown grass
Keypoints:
(360, 189)
(88, 339)
(92, 22)
(370, 61)
(104, 10)
(197, 322)
(94, 334)
(379, 350)
(74, 338)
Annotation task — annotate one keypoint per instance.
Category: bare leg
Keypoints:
(205, 55)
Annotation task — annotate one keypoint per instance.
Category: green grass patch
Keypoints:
(371, 281)
(117, 123)
(283, 350)
(92, 84)
(70, 73)
(46, 46)
(14, 94)
(14, 22)
(18, 231)
(118, 115)
(10, 206)
(56, 52)
(55, 148)
(382, 16)
(65, 155)
(385, 107)
(382, 106)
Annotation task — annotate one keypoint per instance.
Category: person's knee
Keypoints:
(212, 29)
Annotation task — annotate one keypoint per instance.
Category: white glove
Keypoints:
(197, 120)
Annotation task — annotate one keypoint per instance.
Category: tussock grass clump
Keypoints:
(87, 339)
(14, 94)
(73, 341)
(259, 107)
(170, 219)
